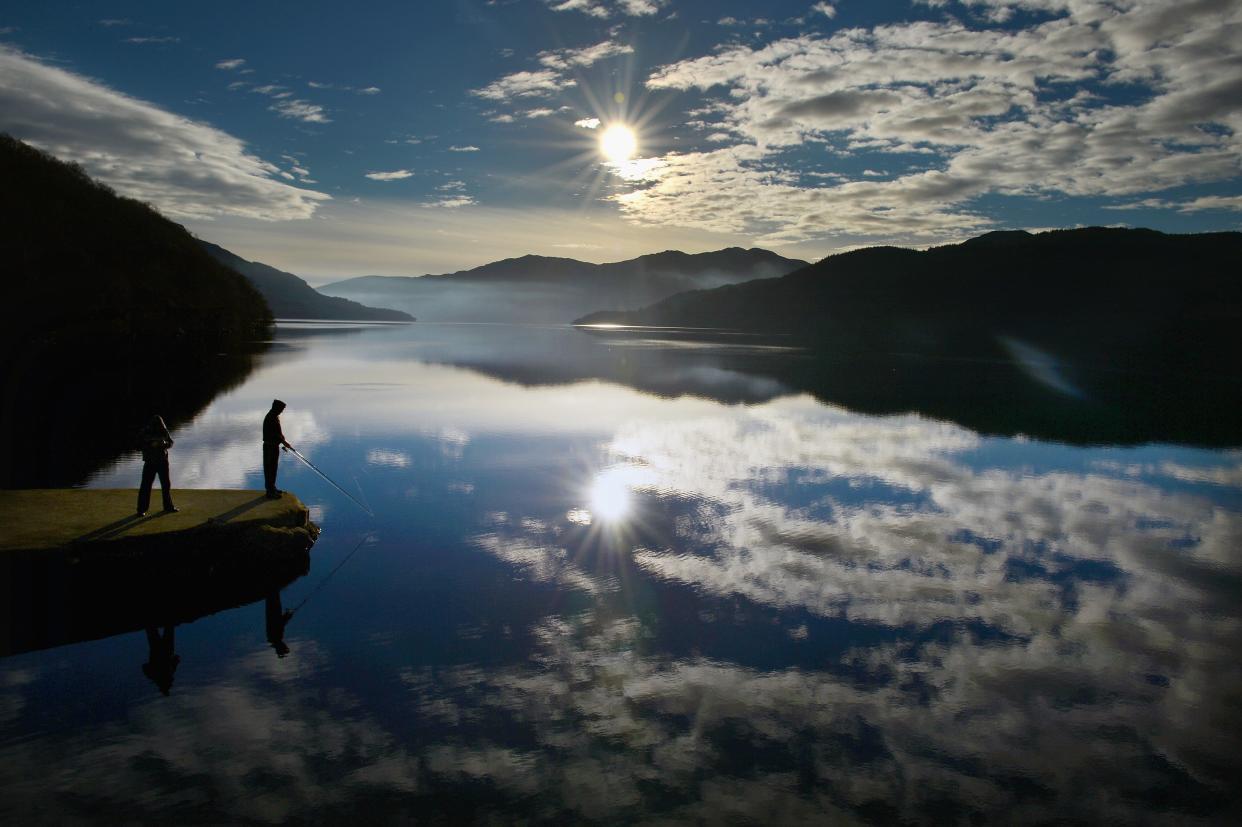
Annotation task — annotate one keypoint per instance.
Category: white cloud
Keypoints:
(588, 123)
(826, 9)
(184, 168)
(1213, 202)
(594, 8)
(388, 458)
(995, 111)
(540, 113)
(551, 79)
(466, 148)
(393, 175)
(562, 59)
(155, 40)
(453, 202)
(229, 65)
(604, 8)
(369, 90)
(524, 85)
(300, 110)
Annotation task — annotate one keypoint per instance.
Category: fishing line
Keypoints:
(331, 481)
(331, 574)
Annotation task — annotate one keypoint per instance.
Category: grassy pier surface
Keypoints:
(68, 517)
(79, 564)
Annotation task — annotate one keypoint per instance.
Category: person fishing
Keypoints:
(155, 442)
(273, 439)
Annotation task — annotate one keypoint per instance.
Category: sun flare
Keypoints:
(610, 498)
(618, 143)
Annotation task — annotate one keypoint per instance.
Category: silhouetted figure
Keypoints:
(273, 438)
(162, 661)
(276, 622)
(155, 441)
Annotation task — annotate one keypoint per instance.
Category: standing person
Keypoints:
(155, 441)
(273, 438)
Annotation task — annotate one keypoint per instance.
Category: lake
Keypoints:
(645, 576)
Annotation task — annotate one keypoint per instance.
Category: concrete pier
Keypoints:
(35, 519)
(79, 564)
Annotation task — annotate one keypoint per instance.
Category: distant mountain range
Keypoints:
(1133, 300)
(543, 289)
(290, 297)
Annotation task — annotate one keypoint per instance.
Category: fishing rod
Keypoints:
(330, 481)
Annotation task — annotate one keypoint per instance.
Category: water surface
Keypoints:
(650, 578)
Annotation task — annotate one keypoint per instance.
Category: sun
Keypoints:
(618, 143)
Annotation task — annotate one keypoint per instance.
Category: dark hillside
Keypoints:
(290, 297)
(1094, 334)
(110, 312)
(1126, 299)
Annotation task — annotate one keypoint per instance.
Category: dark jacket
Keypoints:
(155, 440)
(272, 435)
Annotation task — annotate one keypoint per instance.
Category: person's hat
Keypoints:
(276, 403)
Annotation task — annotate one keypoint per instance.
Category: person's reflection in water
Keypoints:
(162, 661)
(276, 621)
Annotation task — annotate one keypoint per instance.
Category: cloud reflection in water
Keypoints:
(1075, 629)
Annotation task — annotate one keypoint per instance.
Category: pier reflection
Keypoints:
(54, 598)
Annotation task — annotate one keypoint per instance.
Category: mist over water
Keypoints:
(646, 577)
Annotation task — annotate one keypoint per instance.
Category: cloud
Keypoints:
(156, 40)
(110, 22)
(300, 110)
(184, 168)
(605, 9)
(229, 65)
(452, 202)
(995, 111)
(551, 79)
(561, 59)
(826, 9)
(540, 113)
(393, 175)
(1028, 610)
(588, 123)
(1212, 202)
(524, 85)
(366, 90)
(463, 149)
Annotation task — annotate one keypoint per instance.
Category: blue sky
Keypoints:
(404, 138)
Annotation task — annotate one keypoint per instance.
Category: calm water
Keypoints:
(625, 580)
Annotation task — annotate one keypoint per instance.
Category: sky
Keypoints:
(402, 138)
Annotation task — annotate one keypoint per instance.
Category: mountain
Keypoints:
(543, 289)
(1133, 300)
(111, 313)
(292, 298)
